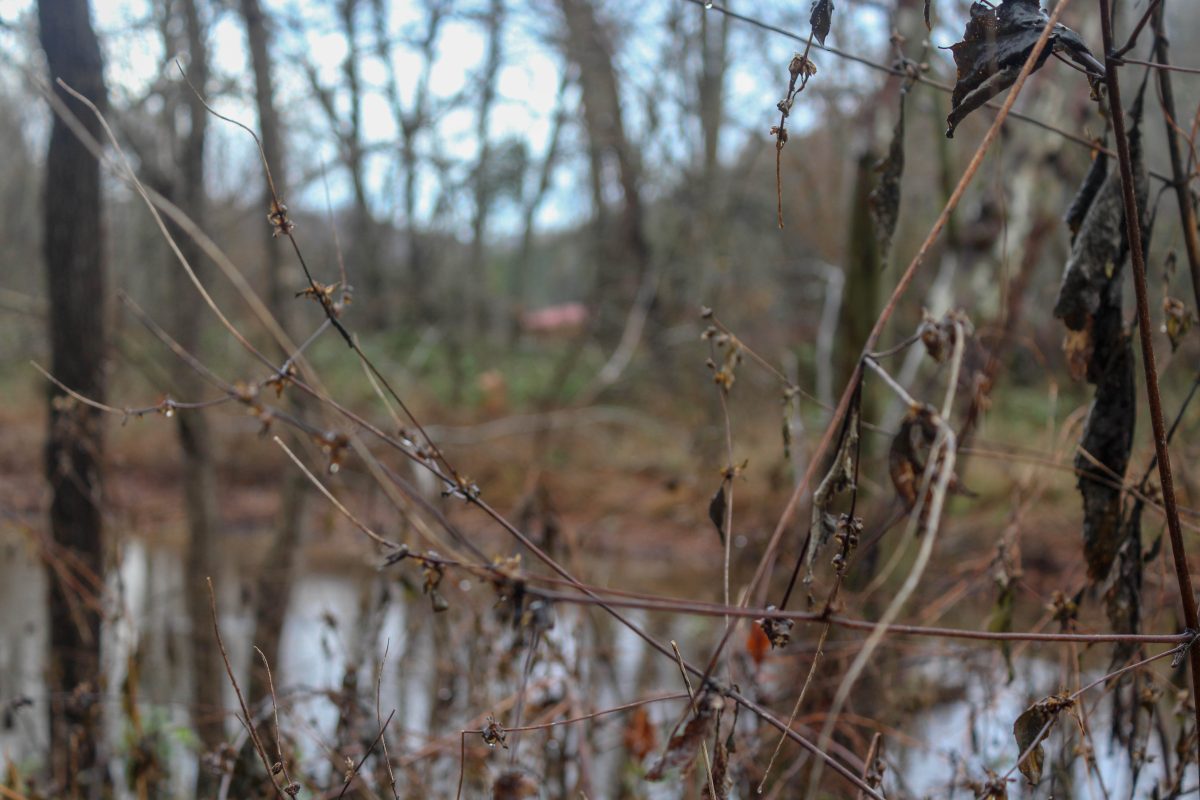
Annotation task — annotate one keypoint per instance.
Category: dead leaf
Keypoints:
(909, 453)
(928, 15)
(778, 630)
(1092, 182)
(821, 19)
(996, 44)
(1028, 730)
(757, 644)
(1177, 321)
(1107, 442)
(685, 746)
(883, 202)
(639, 737)
(939, 336)
(842, 476)
(717, 507)
(1100, 246)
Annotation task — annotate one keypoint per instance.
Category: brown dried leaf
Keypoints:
(928, 14)
(821, 19)
(939, 336)
(909, 452)
(685, 746)
(996, 43)
(1028, 731)
(639, 737)
(757, 644)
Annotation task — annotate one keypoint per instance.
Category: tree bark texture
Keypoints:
(73, 247)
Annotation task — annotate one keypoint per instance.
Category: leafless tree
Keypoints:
(75, 268)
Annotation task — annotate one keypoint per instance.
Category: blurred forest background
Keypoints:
(518, 209)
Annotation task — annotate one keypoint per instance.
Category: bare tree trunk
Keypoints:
(195, 437)
(860, 295)
(621, 271)
(276, 575)
(475, 285)
(272, 143)
(75, 267)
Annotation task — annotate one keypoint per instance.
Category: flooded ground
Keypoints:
(954, 738)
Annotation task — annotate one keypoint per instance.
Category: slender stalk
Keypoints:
(1187, 212)
(1133, 224)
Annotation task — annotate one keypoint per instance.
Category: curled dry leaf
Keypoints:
(1100, 246)
(1028, 730)
(884, 200)
(908, 456)
(928, 14)
(685, 746)
(639, 736)
(821, 19)
(778, 630)
(939, 336)
(717, 507)
(841, 478)
(1090, 305)
(514, 786)
(996, 44)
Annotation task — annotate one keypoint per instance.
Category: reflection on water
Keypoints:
(338, 617)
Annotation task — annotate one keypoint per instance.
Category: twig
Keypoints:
(1183, 196)
(943, 449)
(692, 704)
(1082, 141)
(375, 537)
(379, 720)
(275, 711)
(1133, 225)
(246, 719)
(366, 755)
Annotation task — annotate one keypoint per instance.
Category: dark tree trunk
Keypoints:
(74, 252)
(275, 576)
(622, 268)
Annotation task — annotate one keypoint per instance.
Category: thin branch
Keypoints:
(246, 718)
(1133, 224)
